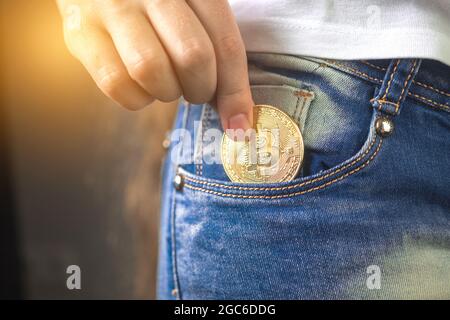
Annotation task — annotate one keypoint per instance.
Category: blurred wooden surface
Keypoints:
(86, 173)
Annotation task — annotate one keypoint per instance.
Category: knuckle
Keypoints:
(203, 92)
(111, 82)
(170, 95)
(166, 91)
(75, 39)
(193, 56)
(154, 73)
(78, 18)
(144, 66)
(231, 47)
(197, 98)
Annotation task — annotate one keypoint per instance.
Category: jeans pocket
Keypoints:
(260, 241)
(334, 123)
(236, 241)
(297, 187)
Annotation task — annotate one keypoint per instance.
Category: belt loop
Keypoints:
(395, 86)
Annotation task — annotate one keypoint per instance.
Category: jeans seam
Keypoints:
(373, 65)
(354, 71)
(427, 86)
(432, 102)
(431, 88)
(174, 253)
(293, 194)
(383, 100)
(390, 80)
(405, 84)
(420, 98)
(243, 188)
(172, 216)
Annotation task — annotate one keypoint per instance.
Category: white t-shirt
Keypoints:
(364, 29)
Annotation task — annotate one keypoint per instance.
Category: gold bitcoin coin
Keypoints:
(271, 152)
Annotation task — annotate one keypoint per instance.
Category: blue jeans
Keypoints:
(368, 216)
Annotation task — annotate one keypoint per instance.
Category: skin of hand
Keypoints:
(139, 51)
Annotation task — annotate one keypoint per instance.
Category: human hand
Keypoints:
(138, 51)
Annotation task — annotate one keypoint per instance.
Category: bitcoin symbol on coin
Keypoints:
(271, 152)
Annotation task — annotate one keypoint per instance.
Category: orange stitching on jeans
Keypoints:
(303, 94)
(384, 69)
(290, 194)
(390, 80)
(372, 65)
(212, 184)
(405, 85)
(432, 88)
(384, 101)
(436, 104)
(351, 70)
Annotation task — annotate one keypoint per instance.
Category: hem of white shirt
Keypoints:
(320, 42)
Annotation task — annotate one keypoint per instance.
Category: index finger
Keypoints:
(233, 96)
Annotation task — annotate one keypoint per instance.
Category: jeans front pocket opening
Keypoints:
(295, 187)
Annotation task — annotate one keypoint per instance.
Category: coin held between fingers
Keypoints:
(271, 152)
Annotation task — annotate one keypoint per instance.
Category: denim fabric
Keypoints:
(368, 216)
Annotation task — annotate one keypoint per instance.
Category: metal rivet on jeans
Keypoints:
(178, 182)
(166, 141)
(384, 126)
(174, 292)
(166, 144)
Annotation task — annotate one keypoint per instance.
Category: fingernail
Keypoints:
(239, 121)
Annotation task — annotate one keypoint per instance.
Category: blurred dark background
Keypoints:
(79, 176)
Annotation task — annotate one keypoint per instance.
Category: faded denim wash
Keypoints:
(368, 217)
